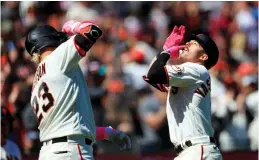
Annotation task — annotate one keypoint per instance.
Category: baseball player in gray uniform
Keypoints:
(60, 96)
(187, 82)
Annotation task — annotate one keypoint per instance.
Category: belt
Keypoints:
(179, 148)
(65, 139)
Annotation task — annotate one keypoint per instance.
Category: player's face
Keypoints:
(192, 52)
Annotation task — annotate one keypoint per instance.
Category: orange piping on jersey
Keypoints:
(201, 152)
(79, 151)
(80, 50)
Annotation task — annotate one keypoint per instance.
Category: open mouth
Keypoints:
(185, 49)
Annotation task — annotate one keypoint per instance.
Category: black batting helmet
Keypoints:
(43, 36)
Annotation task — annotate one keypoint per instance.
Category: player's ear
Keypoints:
(204, 57)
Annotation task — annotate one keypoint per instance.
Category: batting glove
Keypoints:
(119, 138)
(172, 43)
(88, 29)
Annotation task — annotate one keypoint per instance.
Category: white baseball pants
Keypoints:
(74, 149)
(200, 152)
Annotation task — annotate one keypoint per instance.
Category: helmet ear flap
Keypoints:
(34, 48)
(62, 36)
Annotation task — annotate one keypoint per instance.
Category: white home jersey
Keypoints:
(60, 98)
(188, 102)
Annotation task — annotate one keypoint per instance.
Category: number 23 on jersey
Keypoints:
(44, 100)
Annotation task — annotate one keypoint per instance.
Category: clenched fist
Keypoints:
(87, 29)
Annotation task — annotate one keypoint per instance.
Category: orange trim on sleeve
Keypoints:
(80, 50)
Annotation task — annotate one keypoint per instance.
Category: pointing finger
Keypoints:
(182, 30)
(175, 30)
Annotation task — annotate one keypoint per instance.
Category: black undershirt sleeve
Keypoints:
(157, 74)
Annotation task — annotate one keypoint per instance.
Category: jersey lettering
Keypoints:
(35, 106)
(203, 89)
(41, 70)
(44, 93)
(178, 69)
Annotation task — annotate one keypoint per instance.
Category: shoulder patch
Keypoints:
(179, 69)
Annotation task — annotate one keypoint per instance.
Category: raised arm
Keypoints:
(157, 74)
(86, 34)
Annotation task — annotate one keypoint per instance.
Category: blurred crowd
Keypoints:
(134, 32)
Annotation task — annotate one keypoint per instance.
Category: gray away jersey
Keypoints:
(60, 96)
(188, 102)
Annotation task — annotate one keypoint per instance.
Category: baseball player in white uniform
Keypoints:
(60, 97)
(187, 82)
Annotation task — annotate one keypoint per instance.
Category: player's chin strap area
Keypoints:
(194, 141)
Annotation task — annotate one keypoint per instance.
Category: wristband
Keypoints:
(103, 132)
